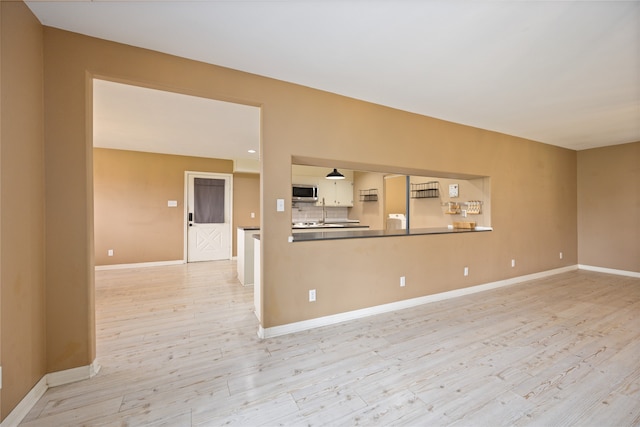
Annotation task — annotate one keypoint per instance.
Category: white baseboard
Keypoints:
(139, 264)
(68, 376)
(609, 270)
(16, 416)
(53, 379)
(400, 305)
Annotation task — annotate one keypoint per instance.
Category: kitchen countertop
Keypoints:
(331, 225)
(249, 227)
(357, 234)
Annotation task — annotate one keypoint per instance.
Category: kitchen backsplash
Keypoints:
(310, 213)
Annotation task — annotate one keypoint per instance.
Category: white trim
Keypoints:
(53, 379)
(185, 218)
(609, 270)
(16, 416)
(139, 264)
(73, 375)
(400, 305)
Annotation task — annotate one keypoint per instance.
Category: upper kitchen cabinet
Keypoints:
(344, 193)
(304, 180)
(335, 193)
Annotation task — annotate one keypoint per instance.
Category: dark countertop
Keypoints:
(249, 227)
(332, 226)
(357, 234)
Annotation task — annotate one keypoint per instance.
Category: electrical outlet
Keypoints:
(513, 263)
(402, 281)
(312, 295)
(253, 215)
(110, 252)
(466, 271)
(560, 255)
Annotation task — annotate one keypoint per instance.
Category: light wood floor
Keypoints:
(178, 347)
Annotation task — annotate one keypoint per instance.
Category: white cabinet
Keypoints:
(304, 180)
(244, 241)
(326, 193)
(344, 193)
(257, 292)
(335, 193)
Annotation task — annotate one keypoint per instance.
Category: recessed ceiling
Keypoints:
(565, 73)
(129, 117)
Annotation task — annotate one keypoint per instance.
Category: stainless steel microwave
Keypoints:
(304, 193)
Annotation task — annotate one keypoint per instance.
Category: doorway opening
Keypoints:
(144, 142)
(147, 145)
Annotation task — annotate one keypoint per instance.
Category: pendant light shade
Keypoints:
(335, 175)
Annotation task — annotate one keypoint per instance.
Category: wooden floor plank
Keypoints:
(178, 347)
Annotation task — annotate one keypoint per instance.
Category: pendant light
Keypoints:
(335, 175)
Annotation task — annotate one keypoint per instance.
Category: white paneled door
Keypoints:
(208, 216)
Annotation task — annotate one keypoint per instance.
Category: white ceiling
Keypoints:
(565, 73)
(129, 117)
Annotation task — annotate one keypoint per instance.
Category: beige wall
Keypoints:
(369, 213)
(131, 191)
(534, 195)
(533, 186)
(246, 199)
(609, 207)
(395, 196)
(2, 101)
(22, 290)
(429, 212)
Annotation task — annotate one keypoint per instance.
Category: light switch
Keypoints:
(280, 205)
(172, 203)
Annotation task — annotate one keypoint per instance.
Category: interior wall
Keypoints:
(430, 212)
(370, 213)
(395, 196)
(246, 200)
(533, 212)
(609, 207)
(22, 309)
(132, 217)
(533, 191)
(1, 102)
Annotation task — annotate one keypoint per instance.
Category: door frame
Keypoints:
(185, 215)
